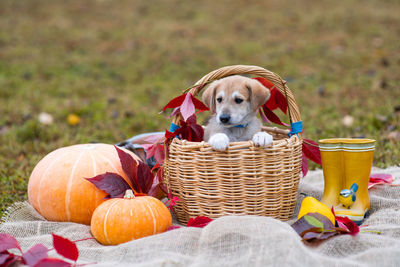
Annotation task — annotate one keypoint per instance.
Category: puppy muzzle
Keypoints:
(225, 118)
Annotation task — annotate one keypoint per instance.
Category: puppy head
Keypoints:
(234, 99)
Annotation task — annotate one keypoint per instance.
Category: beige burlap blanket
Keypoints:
(233, 240)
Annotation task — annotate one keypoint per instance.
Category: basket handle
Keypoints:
(293, 109)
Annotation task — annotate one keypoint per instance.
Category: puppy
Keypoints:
(234, 102)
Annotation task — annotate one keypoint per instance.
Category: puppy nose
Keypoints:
(224, 118)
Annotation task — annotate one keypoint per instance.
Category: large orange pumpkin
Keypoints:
(57, 188)
(120, 220)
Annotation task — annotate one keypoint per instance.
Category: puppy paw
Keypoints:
(219, 141)
(262, 139)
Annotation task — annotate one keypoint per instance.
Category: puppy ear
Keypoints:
(259, 94)
(209, 96)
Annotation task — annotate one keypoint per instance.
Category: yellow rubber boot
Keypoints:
(356, 157)
(333, 174)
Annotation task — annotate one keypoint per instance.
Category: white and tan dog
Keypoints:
(234, 102)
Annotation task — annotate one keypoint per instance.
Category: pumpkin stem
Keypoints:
(129, 194)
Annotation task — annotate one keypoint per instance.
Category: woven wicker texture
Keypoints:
(245, 179)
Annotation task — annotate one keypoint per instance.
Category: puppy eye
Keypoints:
(238, 100)
(219, 99)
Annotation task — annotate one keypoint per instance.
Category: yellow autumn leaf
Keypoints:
(73, 119)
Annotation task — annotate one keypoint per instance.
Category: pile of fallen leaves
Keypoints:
(315, 226)
(37, 255)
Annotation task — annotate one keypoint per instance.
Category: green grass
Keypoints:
(116, 63)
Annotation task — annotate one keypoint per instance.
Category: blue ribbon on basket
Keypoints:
(173, 127)
(296, 128)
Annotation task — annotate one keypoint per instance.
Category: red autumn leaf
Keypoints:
(187, 108)
(263, 117)
(154, 138)
(145, 177)
(187, 105)
(197, 133)
(347, 224)
(65, 247)
(176, 102)
(280, 100)
(272, 117)
(156, 150)
(178, 110)
(4, 257)
(171, 200)
(190, 130)
(115, 185)
(199, 221)
(169, 135)
(158, 179)
(7, 258)
(154, 189)
(311, 151)
(159, 153)
(304, 164)
(35, 254)
(148, 148)
(198, 104)
(52, 262)
(276, 99)
(315, 226)
(8, 242)
(380, 178)
(156, 167)
(159, 175)
(111, 183)
(271, 103)
(267, 83)
(129, 165)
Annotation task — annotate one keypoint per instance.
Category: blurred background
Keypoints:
(100, 71)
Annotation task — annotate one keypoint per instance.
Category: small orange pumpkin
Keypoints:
(57, 188)
(120, 220)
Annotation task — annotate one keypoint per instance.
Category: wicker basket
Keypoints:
(244, 180)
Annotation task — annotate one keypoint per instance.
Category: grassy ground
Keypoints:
(116, 63)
